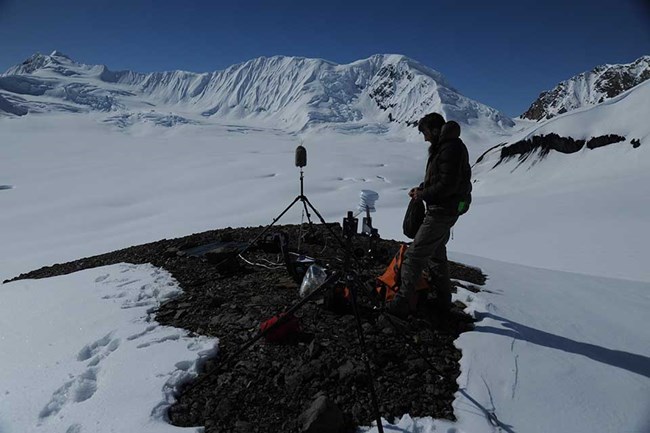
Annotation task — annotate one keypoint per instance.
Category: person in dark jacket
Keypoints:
(446, 191)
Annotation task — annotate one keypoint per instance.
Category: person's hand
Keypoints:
(415, 194)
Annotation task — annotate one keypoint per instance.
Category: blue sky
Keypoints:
(500, 53)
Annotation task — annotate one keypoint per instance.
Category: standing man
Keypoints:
(446, 190)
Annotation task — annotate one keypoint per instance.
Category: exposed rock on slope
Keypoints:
(10, 108)
(541, 145)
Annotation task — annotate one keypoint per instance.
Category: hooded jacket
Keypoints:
(447, 179)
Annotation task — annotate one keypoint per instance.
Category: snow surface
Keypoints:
(553, 351)
(82, 353)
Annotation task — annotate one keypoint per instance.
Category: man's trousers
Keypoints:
(428, 247)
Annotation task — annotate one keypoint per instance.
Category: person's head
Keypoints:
(430, 126)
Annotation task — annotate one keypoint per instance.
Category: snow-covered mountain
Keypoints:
(589, 88)
(290, 93)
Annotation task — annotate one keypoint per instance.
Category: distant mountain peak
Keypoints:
(589, 88)
(57, 53)
(39, 61)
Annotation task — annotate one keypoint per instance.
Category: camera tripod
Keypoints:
(299, 198)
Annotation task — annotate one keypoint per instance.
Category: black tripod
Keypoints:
(300, 198)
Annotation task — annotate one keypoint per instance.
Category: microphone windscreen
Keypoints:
(301, 156)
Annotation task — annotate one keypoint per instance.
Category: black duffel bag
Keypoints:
(413, 218)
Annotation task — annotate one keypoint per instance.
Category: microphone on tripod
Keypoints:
(301, 156)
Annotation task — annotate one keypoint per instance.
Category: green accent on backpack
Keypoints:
(462, 207)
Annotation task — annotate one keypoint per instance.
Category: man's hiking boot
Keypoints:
(398, 307)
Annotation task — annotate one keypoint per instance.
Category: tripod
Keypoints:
(299, 198)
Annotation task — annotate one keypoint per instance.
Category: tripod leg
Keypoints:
(266, 229)
(366, 360)
(322, 220)
(303, 199)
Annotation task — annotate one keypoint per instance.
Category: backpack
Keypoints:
(413, 218)
(388, 282)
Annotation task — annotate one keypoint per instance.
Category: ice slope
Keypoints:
(589, 88)
(377, 94)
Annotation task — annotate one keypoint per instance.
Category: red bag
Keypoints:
(286, 332)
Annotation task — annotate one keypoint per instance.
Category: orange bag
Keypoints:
(388, 282)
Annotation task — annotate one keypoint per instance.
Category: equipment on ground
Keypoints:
(388, 282)
(288, 331)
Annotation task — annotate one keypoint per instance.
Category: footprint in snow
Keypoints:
(115, 296)
(353, 179)
(101, 278)
(172, 337)
(184, 365)
(126, 283)
(194, 346)
(74, 428)
(141, 334)
(92, 349)
(83, 386)
(79, 389)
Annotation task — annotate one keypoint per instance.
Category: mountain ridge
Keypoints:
(589, 88)
(294, 92)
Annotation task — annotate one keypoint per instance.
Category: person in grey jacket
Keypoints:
(446, 190)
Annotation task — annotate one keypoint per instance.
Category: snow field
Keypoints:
(551, 351)
(81, 352)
